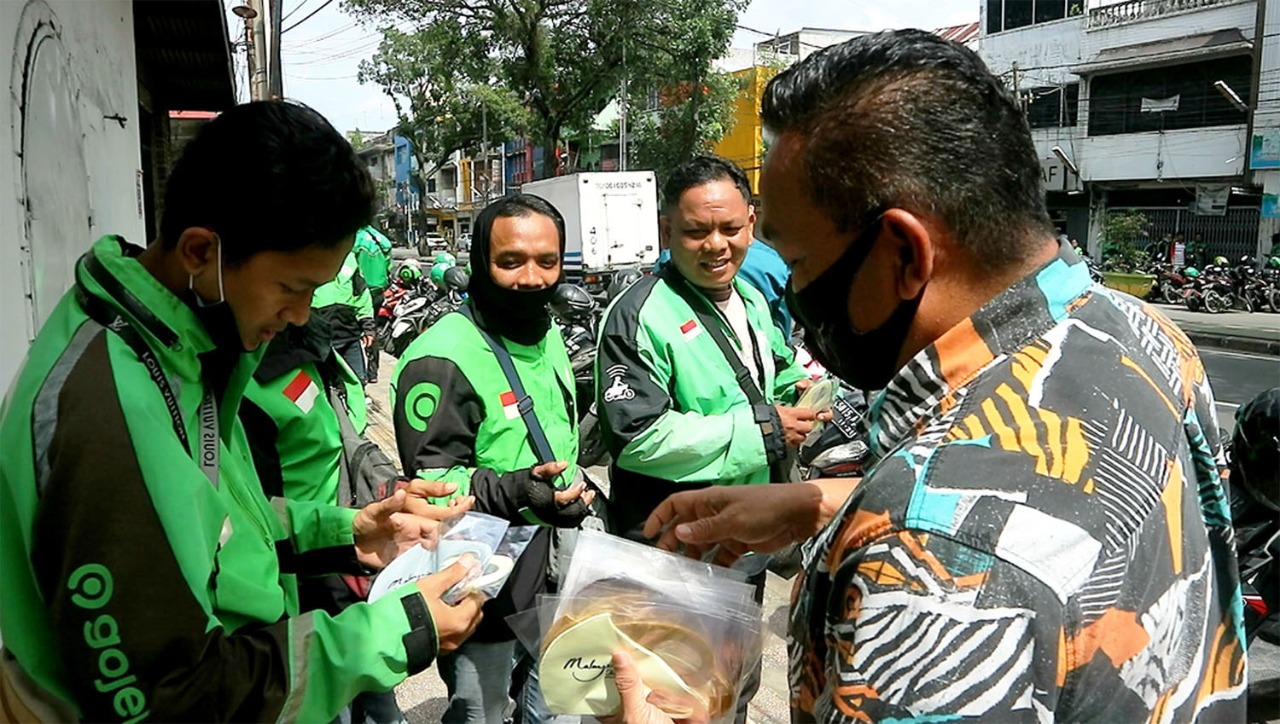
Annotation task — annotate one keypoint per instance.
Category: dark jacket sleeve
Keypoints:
(437, 416)
(263, 434)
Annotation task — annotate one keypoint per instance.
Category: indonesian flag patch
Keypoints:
(690, 329)
(509, 405)
(302, 391)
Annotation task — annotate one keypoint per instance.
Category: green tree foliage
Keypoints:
(562, 61)
(442, 85)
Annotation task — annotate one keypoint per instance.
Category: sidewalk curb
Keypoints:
(1235, 343)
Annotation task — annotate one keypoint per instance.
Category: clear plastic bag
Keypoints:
(694, 630)
(489, 543)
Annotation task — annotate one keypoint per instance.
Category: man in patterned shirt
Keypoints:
(1043, 533)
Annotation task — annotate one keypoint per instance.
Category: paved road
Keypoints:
(1237, 377)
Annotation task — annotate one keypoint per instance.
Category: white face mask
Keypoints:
(191, 282)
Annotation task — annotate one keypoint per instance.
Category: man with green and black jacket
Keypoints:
(673, 411)
(458, 419)
(373, 251)
(295, 435)
(346, 305)
(146, 576)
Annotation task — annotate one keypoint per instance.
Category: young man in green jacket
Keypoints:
(145, 573)
(346, 305)
(458, 420)
(673, 411)
(373, 251)
(294, 429)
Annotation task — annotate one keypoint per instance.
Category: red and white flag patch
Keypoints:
(303, 391)
(510, 405)
(690, 329)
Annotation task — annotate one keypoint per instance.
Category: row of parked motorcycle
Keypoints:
(1220, 286)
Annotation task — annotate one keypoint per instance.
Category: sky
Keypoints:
(322, 54)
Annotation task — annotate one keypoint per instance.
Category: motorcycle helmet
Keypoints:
(622, 280)
(1274, 262)
(446, 258)
(410, 274)
(1220, 261)
(1255, 447)
(456, 279)
(437, 274)
(1192, 272)
(572, 302)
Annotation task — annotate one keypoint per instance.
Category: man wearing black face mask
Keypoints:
(1042, 533)
(458, 420)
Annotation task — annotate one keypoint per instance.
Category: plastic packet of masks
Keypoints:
(477, 536)
(693, 630)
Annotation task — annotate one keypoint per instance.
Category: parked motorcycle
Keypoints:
(1169, 284)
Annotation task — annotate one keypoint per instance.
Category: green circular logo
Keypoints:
(420, 404)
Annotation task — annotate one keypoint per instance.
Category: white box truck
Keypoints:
(611, 222)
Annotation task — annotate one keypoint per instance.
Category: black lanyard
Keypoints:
(711, 318)
(102, 313)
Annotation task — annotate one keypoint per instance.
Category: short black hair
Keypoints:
(517, 205)
(904, 118)
(268, 176)
(699, 170)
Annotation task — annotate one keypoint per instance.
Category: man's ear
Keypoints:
(197, 249)
(916, 252)
(664, 232)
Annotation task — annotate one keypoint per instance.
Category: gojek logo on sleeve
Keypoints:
(91, 586)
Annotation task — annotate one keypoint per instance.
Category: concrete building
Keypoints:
(1131, 106)
(754, 67)
(87, 143)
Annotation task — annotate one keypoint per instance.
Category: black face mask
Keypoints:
(866, 360)
(520, 315)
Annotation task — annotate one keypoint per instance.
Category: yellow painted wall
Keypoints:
(744, 144)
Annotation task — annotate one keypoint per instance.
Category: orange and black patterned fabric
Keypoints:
(1044, 535)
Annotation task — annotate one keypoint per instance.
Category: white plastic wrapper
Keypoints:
(488, 543)
(693, 629)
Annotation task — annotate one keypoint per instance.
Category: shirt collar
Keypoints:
(1018, 315)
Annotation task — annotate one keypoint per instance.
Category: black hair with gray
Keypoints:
(904, 118)
(701, 170)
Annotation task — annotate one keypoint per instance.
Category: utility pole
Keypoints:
(258, 52)
(247, 13)
(1017, 85)
(622, 119)
(275, 76)
(484, 152)
(1255, 90)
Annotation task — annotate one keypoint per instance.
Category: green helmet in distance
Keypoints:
(410, 273)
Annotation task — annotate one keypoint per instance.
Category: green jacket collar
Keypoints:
(171, 328)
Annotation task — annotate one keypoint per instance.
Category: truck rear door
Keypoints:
(623, 229)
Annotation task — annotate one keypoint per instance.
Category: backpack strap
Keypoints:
(524, 403)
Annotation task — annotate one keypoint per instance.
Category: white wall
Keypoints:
(1241, 14)
(1190, 153)
(95, 41)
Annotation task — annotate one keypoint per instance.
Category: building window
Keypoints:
(1050, 10)
(1169, 98)
(1011, 14)
(431, 185)
(1052, 106)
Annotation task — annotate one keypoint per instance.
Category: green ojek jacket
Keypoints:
(134, 586)
(346, 304)
(292, 427)
(455, 413)
(373, 251)
(671, 410)
(456, 420)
